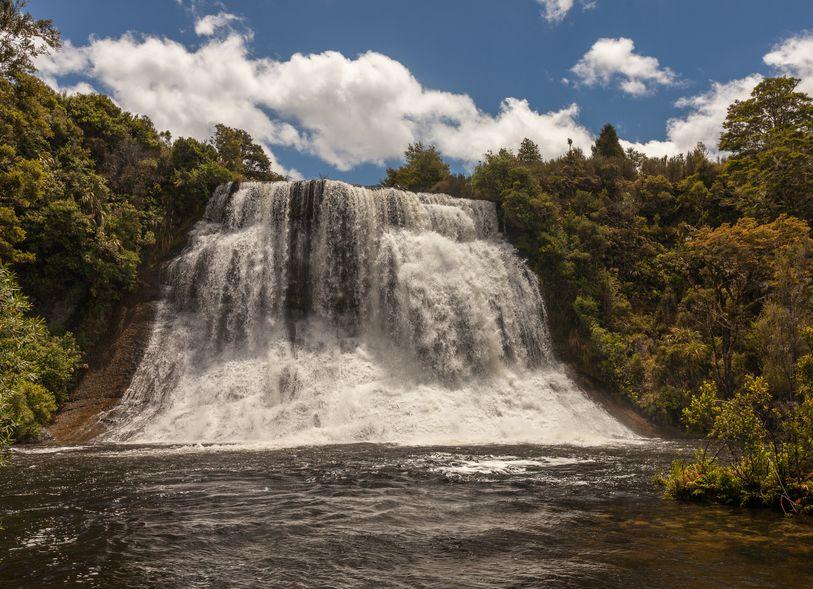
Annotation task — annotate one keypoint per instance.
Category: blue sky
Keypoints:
(466, 57)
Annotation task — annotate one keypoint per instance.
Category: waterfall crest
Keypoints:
(319, 312)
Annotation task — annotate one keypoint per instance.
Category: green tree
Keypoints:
(423, 169)
(238, 153)
(778, 331)
(492, 176)
(36, 368)
(126, 148)
(22, 38)
(770, 136)
(607, 144)
(767, 448)
(529, 152)
(732, 270)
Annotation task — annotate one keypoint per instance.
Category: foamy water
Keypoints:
(321, 313)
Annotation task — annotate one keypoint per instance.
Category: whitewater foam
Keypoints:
(319, 313)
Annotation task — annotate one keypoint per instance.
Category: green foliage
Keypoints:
(238, 153)
(731, 270)
(771, 138)
(36, 368)
(528, 152)
(607, 144)
(703, 480)
(89, 193)
(764, 455)
(701, 412)
(424, 168)
(22, 38)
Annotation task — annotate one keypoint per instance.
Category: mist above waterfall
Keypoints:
(319, 312)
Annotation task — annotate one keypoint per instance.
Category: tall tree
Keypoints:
(733, 269)
(238, 153)
(529, 152)
(422, 170)
(607, 144)
(22, 38)
(770, 136)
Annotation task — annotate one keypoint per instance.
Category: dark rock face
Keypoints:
(108, 376)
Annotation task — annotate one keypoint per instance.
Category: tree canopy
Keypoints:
(238, 152)
(607, 143)
(424, 168)
(770, 136)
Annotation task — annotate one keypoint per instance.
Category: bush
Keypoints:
(764, 448)
(704, 480)
(36, 368)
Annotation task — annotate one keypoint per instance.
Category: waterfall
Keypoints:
(319, 312)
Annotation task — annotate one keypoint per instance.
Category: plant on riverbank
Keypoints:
(763, 447)
(36, 368)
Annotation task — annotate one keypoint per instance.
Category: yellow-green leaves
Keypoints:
(36, 368)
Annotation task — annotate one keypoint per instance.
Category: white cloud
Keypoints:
(478, 133)
(615, 60)
(555, 11)
(346, 111)
(707, 111)
(208, 25)
(704, 121)
(68, 59)
(366, 109)
(794, 57)
(79, 88)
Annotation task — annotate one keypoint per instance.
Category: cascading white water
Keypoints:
(319, 312)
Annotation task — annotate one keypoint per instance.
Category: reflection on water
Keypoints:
(379, 516)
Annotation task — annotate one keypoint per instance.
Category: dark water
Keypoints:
(379, 516)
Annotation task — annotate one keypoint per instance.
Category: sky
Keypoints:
(339, 88)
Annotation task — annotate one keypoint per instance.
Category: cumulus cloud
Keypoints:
(478, 133)
(615, 60)
(704, 121)
(69, 59)
(346, 111)
(208, 25)
(794, 57)
(707, 111)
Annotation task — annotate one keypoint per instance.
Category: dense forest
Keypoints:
(682, 285)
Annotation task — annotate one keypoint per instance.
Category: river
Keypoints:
(372, 515)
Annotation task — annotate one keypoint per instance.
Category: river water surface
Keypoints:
(378, 516)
